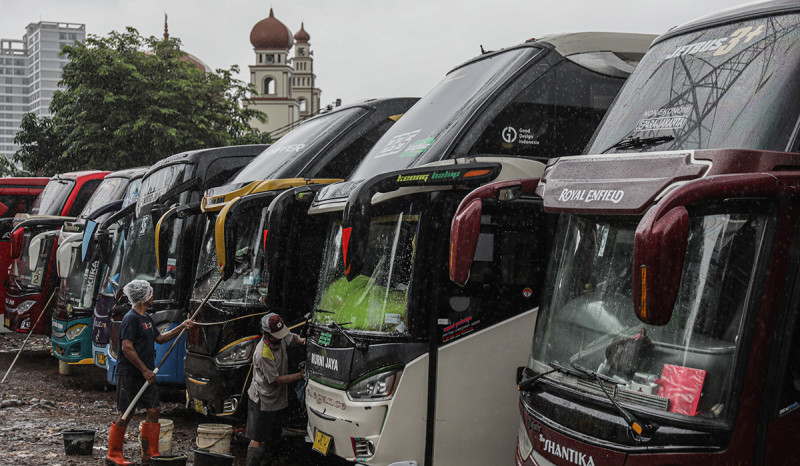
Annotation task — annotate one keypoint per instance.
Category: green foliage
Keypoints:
(122, 106)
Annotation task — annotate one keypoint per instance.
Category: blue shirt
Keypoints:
(142, 331)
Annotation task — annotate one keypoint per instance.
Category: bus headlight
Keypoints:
(375, 387)
(74, 331)
(23, 307)
(523, 441)
(238, 352)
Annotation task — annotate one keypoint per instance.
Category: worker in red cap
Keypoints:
(268, 391)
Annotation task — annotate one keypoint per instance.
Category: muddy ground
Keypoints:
(37, 404)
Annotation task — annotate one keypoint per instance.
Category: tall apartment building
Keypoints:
(30, 70)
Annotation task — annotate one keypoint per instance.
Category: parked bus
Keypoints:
(394, 345)
(111, 239)
(178, 180)
(668, 331)
(32, 279)
(321, 150)
(80, 268)
(17, 196)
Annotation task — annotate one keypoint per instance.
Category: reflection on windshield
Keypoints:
(51, 200)
(292, 146)
(705, 89)
(587, 317)
(417, 131)
(377, 300)
(82, 279)
(249, 281)
(109, 190)
(139, 262)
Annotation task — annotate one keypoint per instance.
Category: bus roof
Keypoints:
(733, 15)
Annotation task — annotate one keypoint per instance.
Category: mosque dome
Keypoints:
(269, 33)
(302, 35)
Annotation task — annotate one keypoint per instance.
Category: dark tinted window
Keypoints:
(555, 115)
(84, 194)
(349, 158)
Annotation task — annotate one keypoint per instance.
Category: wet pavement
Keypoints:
(37, 405)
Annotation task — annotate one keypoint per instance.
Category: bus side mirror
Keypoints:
(16, 242)
(466, 225)
(225, 232)
(64, 257)
(35, 248)
(464, 233)
(162, 238)
(658, 254)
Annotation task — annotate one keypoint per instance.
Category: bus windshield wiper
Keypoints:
(632, 142)
(526, 384)
(640, 430)
(356, 344)
(555, 366)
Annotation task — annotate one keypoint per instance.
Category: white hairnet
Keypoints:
(138, 291)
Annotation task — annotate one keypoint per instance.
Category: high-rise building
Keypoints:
(285, 87)
(30, 70)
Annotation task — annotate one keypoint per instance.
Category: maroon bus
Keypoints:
(668, 328)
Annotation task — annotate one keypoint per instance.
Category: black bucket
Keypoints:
(78, 442)
(207, 458)
(172, 460)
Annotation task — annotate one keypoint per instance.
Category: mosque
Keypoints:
(285, 86)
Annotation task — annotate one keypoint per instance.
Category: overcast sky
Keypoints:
(362, 48)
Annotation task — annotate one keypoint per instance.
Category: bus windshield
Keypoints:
(287, 150)
(139, 261)
(586, 320)
(52, 199)
(705, 89)
(249, 281)
(377, 300)
(451, 100)
(109, 190)
(82, 279)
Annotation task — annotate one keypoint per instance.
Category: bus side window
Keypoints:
(507, 269)
(348, 159)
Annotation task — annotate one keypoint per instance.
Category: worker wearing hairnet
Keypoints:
(138, 335)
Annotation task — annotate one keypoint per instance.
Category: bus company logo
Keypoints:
(324, 339)
(321, 399)
(568, 454)
(527, 292)
(324, 362)
(425, 177)
(402, 178)
(591, 195)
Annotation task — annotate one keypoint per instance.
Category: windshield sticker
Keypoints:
(151, 197)
(417, 147)
(524, 136)
(289, 148)
(603, 242)
(719, 46)
(36, 277)
(324, 339)
(459, 329)
(664, 118)
(591, 195)
(392, 319)
(397, 144)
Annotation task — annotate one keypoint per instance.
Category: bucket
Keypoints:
(172, 460)
(164, 436)
(207, 458)
(214, 437)
(78, 442)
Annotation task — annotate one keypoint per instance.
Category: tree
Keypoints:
(130, 101)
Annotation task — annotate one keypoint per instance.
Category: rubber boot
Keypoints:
(116, 438)
(255, 456)
(150, 433)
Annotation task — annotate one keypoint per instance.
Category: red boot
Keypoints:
(116, 438)
(150, 433)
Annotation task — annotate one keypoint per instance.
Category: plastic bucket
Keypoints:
(164, 436)
(173, 460)
(214, 437)
(78, 442)
(207, 458)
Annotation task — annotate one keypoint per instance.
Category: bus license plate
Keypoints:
(101, 359)
(7, 322)
(321, 443)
